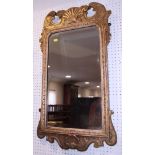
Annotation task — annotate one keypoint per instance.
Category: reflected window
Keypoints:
(52, 97)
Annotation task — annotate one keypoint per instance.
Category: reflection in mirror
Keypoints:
(74, 79)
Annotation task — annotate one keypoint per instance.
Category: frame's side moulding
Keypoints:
(72, 18)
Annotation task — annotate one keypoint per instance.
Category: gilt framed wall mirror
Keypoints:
(75, 109)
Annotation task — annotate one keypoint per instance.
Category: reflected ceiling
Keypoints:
(68, 50)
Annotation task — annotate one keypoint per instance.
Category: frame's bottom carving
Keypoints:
(39, 133)
(81, 143)
(112, 140)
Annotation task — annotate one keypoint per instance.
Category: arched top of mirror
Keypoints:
(86, 15)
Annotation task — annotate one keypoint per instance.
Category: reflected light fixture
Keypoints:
(49, 66)
(87, 82)
(98, 86)
(90, 96)
(68, 76)
(79, 95)
(55, 40)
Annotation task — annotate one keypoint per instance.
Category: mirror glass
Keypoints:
(74, 79)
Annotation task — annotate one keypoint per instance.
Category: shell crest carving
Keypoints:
(74, 15)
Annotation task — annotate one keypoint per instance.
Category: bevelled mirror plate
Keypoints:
(75, 100)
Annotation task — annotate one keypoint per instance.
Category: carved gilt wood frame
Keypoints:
(69, 138)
